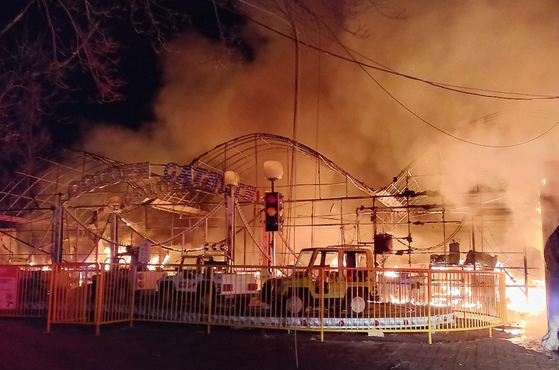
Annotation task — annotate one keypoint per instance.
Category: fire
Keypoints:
(534, 303)
(391, 274)
(154, 261)
(395, 300)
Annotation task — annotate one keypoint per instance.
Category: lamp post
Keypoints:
(114, 204)
(273, 171)
(230, 180)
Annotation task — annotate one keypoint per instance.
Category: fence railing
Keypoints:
(24, 290)
(324, 299)
(91, 294)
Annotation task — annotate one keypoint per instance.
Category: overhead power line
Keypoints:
(486, 93)
(455, 88)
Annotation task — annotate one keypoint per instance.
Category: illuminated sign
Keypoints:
(201, 178)
(110, 176)
(175, 177)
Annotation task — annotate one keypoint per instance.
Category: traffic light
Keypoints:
(273, 204)
(140, 280)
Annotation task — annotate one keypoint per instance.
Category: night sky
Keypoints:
(201, 90)
(140, 68)
(139, 65)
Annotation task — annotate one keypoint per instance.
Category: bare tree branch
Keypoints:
(17, 18)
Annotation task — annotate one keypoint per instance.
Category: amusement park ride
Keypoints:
(88, 209)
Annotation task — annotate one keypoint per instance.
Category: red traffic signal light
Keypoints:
(272, 209)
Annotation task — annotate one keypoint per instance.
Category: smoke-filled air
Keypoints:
(374, 86)
(472, 82)
(370, 122)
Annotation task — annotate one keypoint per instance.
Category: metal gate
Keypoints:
(91, 294)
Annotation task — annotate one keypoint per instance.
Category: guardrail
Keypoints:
(322, 299)
(91, 294)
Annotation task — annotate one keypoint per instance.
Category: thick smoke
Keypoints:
(211, 95)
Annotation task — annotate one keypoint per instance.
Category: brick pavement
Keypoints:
(25, 345)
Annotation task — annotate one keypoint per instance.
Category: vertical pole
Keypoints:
(272, 238)
(114, 238)
(132, 297)
(321, 305)
(210, 299)
(230, 218)
(272, 250)
(266, 259)
(473, 240)
(473, 234)
(503, 297)
(58, 230)
(206, 231)
(375, 228)
(445, 250)
(342, 230)
(526, 285)
(429, 297)
(100, 296)
(52, 307)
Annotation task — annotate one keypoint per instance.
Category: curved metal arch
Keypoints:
(30, 195)
(243, 147)
(40, 185)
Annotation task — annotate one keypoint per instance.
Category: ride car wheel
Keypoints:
(357, 303)
(295, 304)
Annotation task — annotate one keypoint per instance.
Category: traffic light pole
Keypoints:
(230, 216)
(272, 240)
(273, 170)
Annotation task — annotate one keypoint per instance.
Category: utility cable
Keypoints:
(439, 129)
(455, 88)
(440, 85)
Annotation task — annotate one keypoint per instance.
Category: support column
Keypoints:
(114, 238)
(230, 216)
(58, 231)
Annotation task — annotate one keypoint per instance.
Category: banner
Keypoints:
(8, 287)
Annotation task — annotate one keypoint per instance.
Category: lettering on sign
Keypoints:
(110, 176)
(176, 178)
(8, 287)
(200, 178)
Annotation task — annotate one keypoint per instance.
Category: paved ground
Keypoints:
(25, 345)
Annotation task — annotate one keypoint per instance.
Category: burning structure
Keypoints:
(88, 208)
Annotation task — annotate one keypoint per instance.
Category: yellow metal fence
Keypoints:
(320, 299)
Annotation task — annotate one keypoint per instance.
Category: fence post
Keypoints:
(210, 303)
(430, 298)
(99, 298)
(51, 308)
(503, 297)
(321, 303)
(133, 278)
